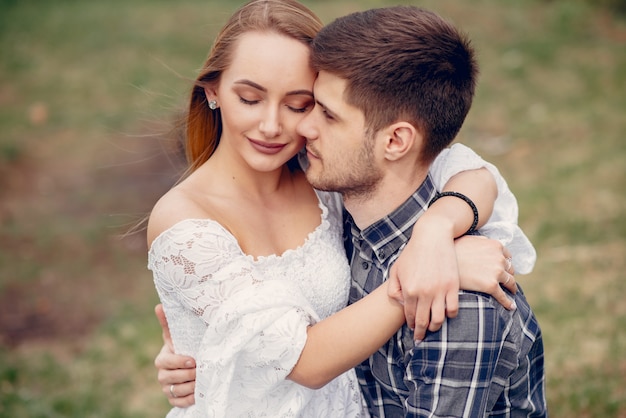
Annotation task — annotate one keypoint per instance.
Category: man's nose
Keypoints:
(306, 128)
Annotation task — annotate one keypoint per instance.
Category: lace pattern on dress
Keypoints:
(245, 319)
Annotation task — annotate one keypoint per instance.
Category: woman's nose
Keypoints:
(270, 125)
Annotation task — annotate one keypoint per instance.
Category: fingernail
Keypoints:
(513, 305)
(417, 341)
(189, 363)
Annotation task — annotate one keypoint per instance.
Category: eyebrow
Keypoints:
(264, 90)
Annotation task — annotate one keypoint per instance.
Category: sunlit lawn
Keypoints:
(89, 90)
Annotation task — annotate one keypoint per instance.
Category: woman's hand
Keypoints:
(425, 278)
(176, 373)
(484, 265)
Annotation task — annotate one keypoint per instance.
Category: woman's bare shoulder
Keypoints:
(176, 205)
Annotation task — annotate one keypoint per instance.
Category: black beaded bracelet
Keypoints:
(467, 200)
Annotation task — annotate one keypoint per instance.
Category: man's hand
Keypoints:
(176, 373)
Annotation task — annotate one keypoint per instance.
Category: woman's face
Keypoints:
(265, 92)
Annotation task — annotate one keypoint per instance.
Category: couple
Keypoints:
(249, 260)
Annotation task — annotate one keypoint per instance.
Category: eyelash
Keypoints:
(248, 102)
(293, 109)
(298, 109)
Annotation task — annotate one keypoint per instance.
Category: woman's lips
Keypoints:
(266, 148)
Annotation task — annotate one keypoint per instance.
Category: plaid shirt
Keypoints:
(485, 362)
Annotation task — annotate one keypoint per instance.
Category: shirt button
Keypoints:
(365, 265)
(381, 253)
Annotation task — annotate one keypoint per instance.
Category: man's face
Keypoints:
(340, 151)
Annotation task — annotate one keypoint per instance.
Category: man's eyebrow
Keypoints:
(264, 90)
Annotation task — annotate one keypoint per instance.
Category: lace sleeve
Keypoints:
(502, 225)
(255, 326)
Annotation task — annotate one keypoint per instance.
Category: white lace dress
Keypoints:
(244, 320)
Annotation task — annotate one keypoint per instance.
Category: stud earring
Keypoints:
(212, 104)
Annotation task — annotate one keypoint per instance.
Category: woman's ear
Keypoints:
(211, 97)
(210, 93)
(402, 139)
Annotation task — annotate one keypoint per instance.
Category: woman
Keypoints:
(247, 258)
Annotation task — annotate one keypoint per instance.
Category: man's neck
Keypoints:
(393, 190)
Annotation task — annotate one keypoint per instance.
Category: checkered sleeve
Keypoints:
(450, 373)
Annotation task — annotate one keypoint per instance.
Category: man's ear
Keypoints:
(402, 138)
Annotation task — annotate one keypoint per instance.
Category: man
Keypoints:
(393, 90)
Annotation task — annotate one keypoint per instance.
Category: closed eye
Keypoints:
(248, 102)
(299, 109)
(327, 115)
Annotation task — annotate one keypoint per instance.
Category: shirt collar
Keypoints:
(387, 235)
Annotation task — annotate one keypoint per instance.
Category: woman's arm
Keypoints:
(350, 336)
(345, 339)
(334, 345)
(479, 186)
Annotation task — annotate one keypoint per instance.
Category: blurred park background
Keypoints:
(89, 91)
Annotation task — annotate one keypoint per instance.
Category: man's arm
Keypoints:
(176, 373)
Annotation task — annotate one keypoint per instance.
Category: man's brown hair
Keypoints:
(402, 63)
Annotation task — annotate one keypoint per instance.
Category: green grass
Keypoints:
(88, 91)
